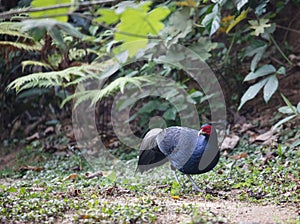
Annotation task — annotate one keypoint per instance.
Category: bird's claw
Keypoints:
(196, 188)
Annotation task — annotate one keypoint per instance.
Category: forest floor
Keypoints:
(256, 181)
(68, 187)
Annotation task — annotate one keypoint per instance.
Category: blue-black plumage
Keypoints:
(190, 151)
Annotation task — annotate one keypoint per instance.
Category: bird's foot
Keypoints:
(196, 188)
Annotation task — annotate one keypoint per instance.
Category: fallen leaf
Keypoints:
(48, 130)
(15, 127)
(230, 142)
(72, 176)
(238, 119)
(176, 197)
(29, 128)
(32, 168)
(252, 136)
(240, 156)
(245, 127)
(33, 137)
(265, 136)
(92, 175)
(85, 216)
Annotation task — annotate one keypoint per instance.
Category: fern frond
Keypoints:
(21, 46)
(34, 63)
(64, 78)
(13, 29)
(45, 79)
(96, 95)
(15, 34)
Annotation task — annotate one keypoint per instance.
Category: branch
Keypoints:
(7, 15)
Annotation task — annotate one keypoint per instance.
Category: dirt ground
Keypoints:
(231, 211)
(236, 212)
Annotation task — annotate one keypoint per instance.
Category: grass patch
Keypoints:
(123, 196)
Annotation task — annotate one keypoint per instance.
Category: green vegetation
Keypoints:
(61, 190)
(139, 57)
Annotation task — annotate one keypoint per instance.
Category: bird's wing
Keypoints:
(178, 144)
(150, 155)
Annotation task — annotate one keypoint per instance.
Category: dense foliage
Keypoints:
(42, 57)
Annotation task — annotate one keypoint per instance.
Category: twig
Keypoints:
(7, 15)
(287, 28)
(280, 51)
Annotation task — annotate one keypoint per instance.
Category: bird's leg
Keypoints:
(175, 175)
(195, 186)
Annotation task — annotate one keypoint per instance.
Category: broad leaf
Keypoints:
(252, 92)
(38, 28)
(212, 20)
(108, 16)
(203, 47)
(149, 107)
(281, 71)
(237, 20)
(240, 4)
(270, 87)
(179, 25)
(170, 114)
(261, 8)
(259, 26)
(137, 24)
(286, 119)
(187, 3)
(259, 53)
(262, 71)
(51, 12)
(286, 110)
(289, 104)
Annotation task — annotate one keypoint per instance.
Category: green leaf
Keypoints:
(289, 104)
(179, 25)
(252, 92)
(262, 71)
(240, 4)
(298, 107)
(203, 47)
(51, 12)
(285, 110)
(295, 143)
(112, 177)
(137, 24)
(170, 114)
(56, 29)
(237, 20)
(281, 71)
(149, 107)
(261, 8)
(286, 119)
(270, 87)
(212, 20)
(259, 52)
(12, 190)
(108, 16)
(176, 189)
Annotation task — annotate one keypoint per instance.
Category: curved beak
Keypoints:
(201, 132)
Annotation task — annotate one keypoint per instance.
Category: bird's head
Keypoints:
(205, 130)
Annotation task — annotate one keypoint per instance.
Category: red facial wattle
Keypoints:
(206, 130)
